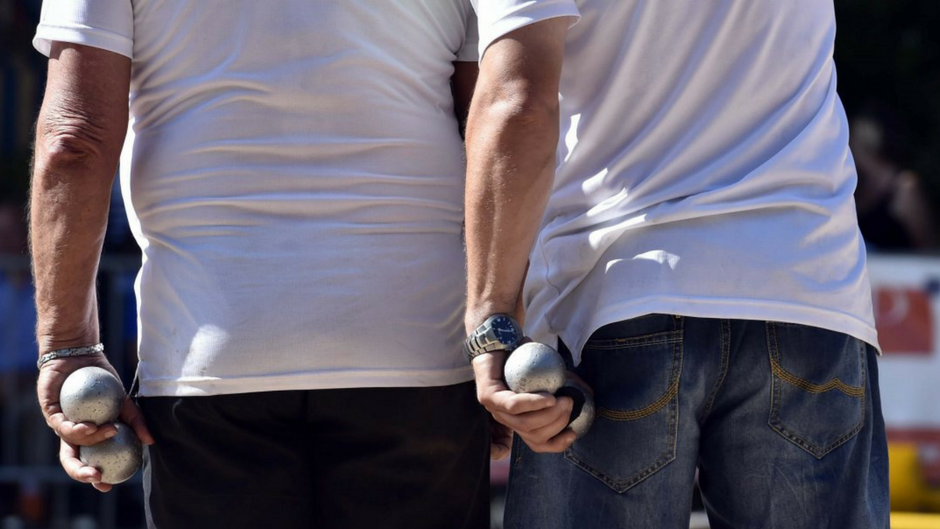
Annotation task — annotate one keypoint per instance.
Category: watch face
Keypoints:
(505, 331)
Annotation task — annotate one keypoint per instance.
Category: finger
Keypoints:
(101, 487)
(132, 416)
(57, 421)
(543, 434)
(499, 431)
(526, 423)
(517, 403)
(498, 451)
(68, 457)
(536, 420)
(500, 434)
(52, 411)
(555, 445)
(85, 433)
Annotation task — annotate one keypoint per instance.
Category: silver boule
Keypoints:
(91, 394)
(117, 458)
(582, 423)
(535, 367)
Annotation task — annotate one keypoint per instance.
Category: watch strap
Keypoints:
(485, 340)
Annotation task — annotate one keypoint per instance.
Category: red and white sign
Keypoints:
(906, 293)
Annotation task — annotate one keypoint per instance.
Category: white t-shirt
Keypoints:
(703, 168)
(294, 175)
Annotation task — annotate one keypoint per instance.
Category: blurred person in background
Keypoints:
(294, 176)
(17, 311)
(893, 209)
(18, 356)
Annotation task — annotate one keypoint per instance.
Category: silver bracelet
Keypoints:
(88, 350)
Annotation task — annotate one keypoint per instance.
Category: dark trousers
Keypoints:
(345, 458)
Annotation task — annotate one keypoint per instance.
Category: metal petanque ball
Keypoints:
(535, 367)
(582, 423)
(91, 394)
(117, 458)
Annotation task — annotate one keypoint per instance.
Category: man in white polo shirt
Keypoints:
(293, 172)
(695, 255)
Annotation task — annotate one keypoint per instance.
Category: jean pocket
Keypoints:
(635, 378)
(818, 391)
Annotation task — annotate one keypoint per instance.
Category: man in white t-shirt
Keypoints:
(695, 255)
(293, 172)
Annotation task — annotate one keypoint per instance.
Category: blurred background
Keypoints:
(888, 59)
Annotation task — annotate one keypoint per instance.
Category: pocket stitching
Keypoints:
(646, 411)
(856, 392)
(658, 338)
(621, 486)
(774, 419)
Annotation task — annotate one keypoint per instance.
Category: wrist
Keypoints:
(489, 365)
(56, 341)
(498, 332)
(70, 353)
(478, 313)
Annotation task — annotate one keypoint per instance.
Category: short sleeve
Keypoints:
(468, 52)
(499, 17)
(105, 24)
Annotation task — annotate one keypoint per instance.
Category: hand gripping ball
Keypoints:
(535, 367)
(91, 394)
(117, 458)
(582, 414)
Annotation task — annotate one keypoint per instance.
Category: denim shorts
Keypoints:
(782, 423)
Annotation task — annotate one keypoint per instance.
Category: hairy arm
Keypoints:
(512, 135)
(79, 136)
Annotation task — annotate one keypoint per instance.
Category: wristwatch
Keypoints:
(500, 332)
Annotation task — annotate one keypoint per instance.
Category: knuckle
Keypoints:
(522, 424)
(64, 432)
(49, 409)
(541, 439)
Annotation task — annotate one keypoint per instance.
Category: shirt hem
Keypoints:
(208, 386)
(46, 34)
(738, 309)
(522, 18)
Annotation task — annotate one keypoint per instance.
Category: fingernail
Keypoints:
(110, 433)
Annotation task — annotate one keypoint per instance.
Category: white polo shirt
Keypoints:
(294, 175)
(703, 168)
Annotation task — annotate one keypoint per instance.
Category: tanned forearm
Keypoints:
(512, 135)
(79, 135)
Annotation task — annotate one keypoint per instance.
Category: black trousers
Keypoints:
(345, 458)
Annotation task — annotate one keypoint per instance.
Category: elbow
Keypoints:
(69, 139)
(522, 105)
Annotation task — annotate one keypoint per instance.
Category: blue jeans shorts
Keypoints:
(781, 421)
